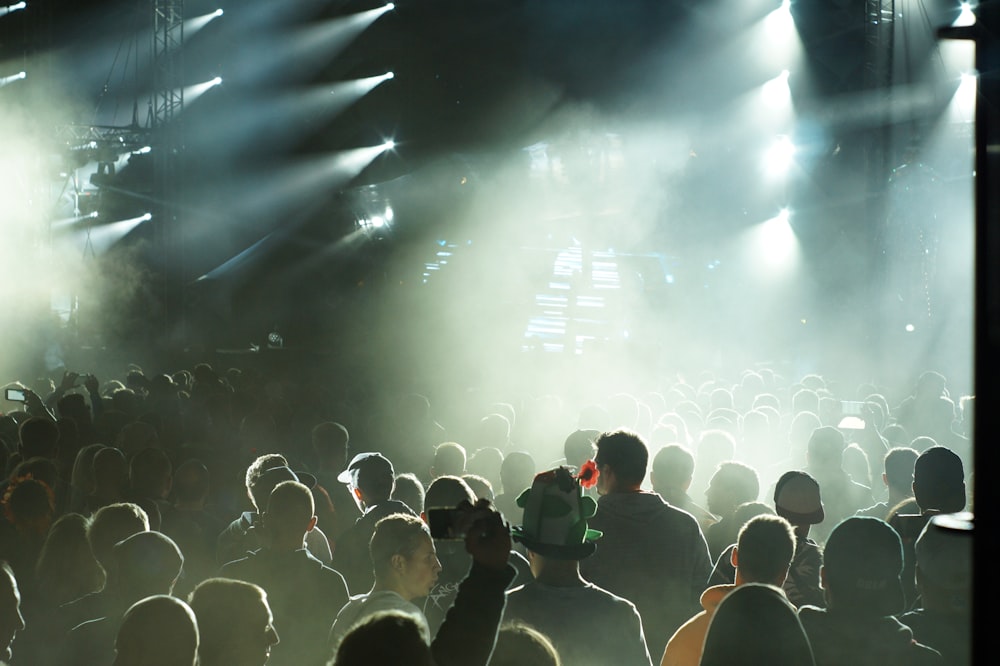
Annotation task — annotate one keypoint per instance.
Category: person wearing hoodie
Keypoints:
(652, 553)
(861, 578)
(305, 595)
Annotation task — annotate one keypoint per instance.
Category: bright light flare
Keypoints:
(776, 38)
(193, 25)
(966, 16)
(772, 248)
(389, 145)
(12, 8)
(776, 93)
(779, 157)
(191, 93)
(12, 78)
(103, 238)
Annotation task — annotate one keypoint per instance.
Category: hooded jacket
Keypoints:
(652, 554)
(839, 638)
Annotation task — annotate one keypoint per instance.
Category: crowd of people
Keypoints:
(229, 518)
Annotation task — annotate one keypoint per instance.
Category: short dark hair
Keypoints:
(448, 492)
(898, 464)
(741, 479)
(625, 452)
(673, 466)
(385, 637)
(939, 480)
(396, 534)
(766, 545)
(38, 437)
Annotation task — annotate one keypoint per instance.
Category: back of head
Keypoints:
(673, 467)
(227, 611)
(396, 534)
(448, 492)
(898, 464)
(267, 481)
(409, 491)
(939, 480)
(157, 631)
(825, 449)
(517, 471)
(862, 563)
(756, 625)
(38, 437)
(521, 645)
(330, 440)
(290, 510)
(261, 465)
(625, 453)
(579, 446)
(150, 473)
(66, 565)
(30, 505)
(765, 547)
(797, 498)
(738, 480)
(449, 459)
(112, 524)
(147, 563)
(387, 638)
(493, 430)
(191, 481)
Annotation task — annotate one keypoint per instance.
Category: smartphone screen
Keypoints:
(14, 395)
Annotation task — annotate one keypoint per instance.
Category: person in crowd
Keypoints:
(862, 563)
(521, 645)
(241, 537)
(723, 572)
(797, 500)
(763, 554)
(929, 411)
(371, 479)
(486, 462)
(938, 487)
(11, 620)
(385, 638)
(480, 486)
(516, 473)
(159, 630)
(671, 476)
(579, 447)
(146, 564)
(732, 485)
(449, 460)
(714, 447)
(330, 444)
(449, 492)
(409, 490)
(191, 524)
(897, 476)
(111, 480)
(842, 496)
(111, 524)
(756, 625)
(235, 625)
(561, 603)
(652, 553)
(405, 568)
(944, 581)
(304, 594)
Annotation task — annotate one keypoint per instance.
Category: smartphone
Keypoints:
(14, 395)
(447, 523)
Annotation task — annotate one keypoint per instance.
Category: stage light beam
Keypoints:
(12, 8)
(966, 16)
(6, 80)
(776, 92)
(193, 25)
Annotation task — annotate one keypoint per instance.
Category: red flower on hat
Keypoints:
(588, 474)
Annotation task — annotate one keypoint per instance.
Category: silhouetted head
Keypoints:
(157, 631)
(764, 550)
(862, 564)
(386, 638)
(521, 645)
(235, 624)
(939, 481)
(732, 484)
(622, 458)
(756, 625)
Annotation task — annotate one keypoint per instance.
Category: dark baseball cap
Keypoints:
(365, 464)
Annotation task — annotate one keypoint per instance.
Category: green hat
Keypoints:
(555, 517)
